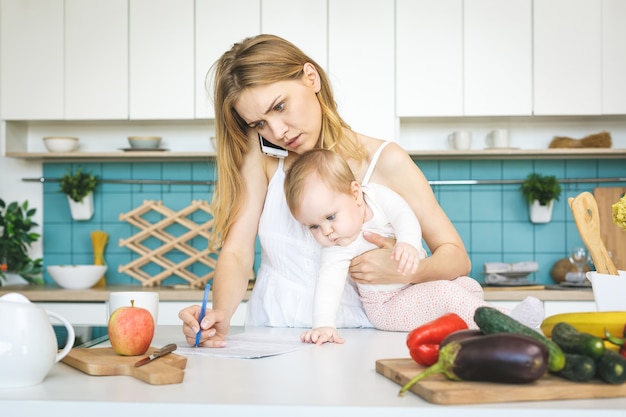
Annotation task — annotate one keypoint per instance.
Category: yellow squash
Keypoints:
(592, 322)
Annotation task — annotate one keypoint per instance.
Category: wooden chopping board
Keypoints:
(168, 369)
(613, 237)
(437, 389)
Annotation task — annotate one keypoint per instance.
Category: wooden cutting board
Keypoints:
(437, 389)
(613, 237)
(168, 369)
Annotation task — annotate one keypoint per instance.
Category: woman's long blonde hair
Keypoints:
(254, 62)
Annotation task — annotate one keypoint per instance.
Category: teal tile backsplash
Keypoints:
(492, 219)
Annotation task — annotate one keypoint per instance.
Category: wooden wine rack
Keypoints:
(157, 256)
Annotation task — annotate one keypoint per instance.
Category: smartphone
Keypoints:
(268, 148)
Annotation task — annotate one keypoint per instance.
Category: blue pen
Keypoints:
(205, 298)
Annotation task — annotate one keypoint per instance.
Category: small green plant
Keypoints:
(77, 185)
(15, 239)
(541, 188)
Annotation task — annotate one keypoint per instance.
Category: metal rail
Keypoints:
(435, 182)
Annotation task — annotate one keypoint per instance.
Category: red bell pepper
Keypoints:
(423, 342)
(621, 342)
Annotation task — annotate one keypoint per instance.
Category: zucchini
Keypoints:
(578, 368)
(571, 340)
(611, 367)
(490, 321)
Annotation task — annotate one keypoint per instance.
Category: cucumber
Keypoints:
(490, 321)
(578, 368)
(611, 367)
(571, 340)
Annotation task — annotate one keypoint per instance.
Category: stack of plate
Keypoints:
(509, 274)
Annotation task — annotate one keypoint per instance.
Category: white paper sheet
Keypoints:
(249, 346)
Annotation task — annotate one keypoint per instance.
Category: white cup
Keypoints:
(498, 138)
(144, 299)
(460, 140)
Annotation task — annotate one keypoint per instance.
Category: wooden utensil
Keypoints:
(585, 210)
(613, 236)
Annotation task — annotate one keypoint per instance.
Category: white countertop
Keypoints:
(334, 380)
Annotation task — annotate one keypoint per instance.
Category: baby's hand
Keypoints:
(407, 256)
(321, 335)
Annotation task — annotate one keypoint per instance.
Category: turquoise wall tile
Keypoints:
(492, 220)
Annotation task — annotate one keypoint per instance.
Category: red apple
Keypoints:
(131, 330)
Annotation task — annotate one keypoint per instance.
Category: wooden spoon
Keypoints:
(585, 210)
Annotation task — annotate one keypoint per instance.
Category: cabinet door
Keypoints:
(429, 58)
(96, 59)
(31, 64)
(567, 57)
(613, 57)
(498, 58)
(305, 27)
(219, 24)
(361, 64)
(162, 59)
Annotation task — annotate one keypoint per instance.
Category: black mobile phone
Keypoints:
(268, 148)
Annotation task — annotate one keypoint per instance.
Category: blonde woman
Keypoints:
(265, 86)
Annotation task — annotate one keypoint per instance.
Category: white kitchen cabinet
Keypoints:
(463, 58)
(429, 58)
(161, 64)
(31, 65)
(567, 49)
(613, 57)
(96, 313)
(96, 59)
(360, 61)
(497, 66)
(305, 27)
(216, 31)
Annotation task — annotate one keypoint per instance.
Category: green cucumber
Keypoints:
(571, 340)
(578, 368)
(490, 321)
(611, 367)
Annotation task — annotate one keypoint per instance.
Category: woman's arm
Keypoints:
(449, 259)
(235, 260)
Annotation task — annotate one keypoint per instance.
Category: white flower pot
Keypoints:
(82, 210)
(539, 213)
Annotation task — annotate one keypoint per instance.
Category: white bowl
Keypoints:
(60, 143)
(608, 290)
(76, 277)
(144, 142)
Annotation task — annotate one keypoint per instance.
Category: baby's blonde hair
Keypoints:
(254, 62)
(317, 165)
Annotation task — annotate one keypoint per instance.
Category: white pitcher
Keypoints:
(28, 345)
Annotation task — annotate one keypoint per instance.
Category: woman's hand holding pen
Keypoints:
(214, 328)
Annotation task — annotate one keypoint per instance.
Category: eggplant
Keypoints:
(504, 357)
(461, 335)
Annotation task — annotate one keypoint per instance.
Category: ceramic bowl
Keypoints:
(76, 277)
(60, 143)
(144, 142)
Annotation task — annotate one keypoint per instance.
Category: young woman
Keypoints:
(265, 86)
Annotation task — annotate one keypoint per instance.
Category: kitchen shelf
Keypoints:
(504, 153)
(112, 156)
(516, 153)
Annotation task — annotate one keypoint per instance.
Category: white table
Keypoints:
(332, 380)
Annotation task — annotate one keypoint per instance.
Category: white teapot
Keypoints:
(28, 345)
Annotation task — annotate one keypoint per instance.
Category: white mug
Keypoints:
(460, 140)
(498, 138)
(144, 299)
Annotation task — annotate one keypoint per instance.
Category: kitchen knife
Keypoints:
(157, 354)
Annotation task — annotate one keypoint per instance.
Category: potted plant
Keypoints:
(540, 192)
(15, 239)
(79, 187)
